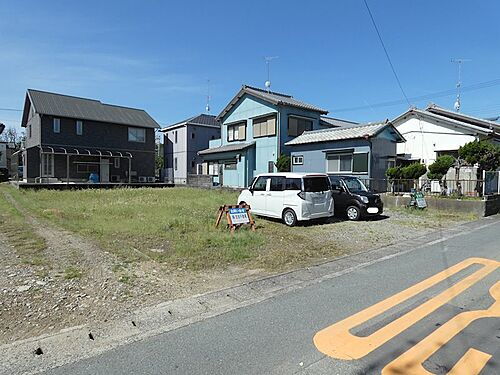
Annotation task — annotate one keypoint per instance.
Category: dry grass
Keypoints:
(18, 234)
(175, 227)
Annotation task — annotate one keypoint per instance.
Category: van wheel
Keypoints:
(289, 217)
(353, 213)
(242, 203)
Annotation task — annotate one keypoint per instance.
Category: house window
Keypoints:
(56, 124)
(360, 163)
(230, 166)
(350, 163)
(116, 163)
(175, 163)
(236, 132)
(298, 125)
(192, 135)
(391, 163)
(47, 165)
(193, 164)
(175, 136)
(338, 163)
(29, 131)
(297, 159)
(137, 135)
(79, 127)
(213, 168)
(264, 126)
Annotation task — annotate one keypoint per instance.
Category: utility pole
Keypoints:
(268, 59)
(459, 83)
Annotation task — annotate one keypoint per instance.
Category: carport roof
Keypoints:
(337, 134)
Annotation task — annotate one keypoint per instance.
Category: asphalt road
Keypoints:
(434, 311)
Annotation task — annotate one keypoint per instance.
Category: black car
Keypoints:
(352, 197)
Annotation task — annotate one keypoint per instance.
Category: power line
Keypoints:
(437, 94)
(11, 109)
(386, 53)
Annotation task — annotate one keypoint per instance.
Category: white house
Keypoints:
(436, 131)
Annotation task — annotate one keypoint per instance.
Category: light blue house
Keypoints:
(255, 127)
(361, 150)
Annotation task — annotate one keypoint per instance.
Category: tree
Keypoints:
(283, 163)
(393, 173)
(439, 168)
(11, 135)
(483, 153)
(413, 171)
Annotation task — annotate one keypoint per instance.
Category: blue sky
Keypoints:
(158, 55)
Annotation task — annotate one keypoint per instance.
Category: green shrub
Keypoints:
(283, 163)
(439, 168)
(413, 171)
(393, 173)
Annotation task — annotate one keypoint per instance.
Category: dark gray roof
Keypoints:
(337, 134)
(226, 148)
(201, 119)
(48, 103)
(271, 97)
(336, 122)
(467, 125)
(462, 117)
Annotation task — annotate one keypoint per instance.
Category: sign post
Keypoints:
(236, 216)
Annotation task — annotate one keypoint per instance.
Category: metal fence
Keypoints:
(459, 188)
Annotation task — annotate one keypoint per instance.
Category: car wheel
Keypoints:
(353, 213)
(242, 203)
(289, 217)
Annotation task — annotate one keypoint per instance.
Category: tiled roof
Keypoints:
(201, 119)
(48, 103)
(271, 97)
(336, 122)
(447, 119)
(336, 134)
(226, 148)
(462, 117)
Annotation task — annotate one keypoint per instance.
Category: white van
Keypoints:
(290, 196)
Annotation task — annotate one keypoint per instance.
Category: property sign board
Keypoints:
(236, 216)
(239, 215)
(419, 198)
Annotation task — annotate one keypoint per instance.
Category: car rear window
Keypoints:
(316, 184)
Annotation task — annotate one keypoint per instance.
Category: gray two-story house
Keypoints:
(72, 139)
(183, 140)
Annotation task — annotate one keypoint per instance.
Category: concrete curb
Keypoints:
(75, 343)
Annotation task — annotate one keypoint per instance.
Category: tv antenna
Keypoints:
(207, 107)
(459, 62)
(268, 61)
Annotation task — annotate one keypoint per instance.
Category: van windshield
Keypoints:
(316, 184)
(354, 184)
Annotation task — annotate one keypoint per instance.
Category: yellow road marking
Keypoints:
(336, 341)
(473, 360)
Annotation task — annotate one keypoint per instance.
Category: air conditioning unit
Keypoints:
(142, 179)
(115, 178)
(151, 179)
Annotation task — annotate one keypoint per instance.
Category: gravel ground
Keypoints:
(38, 299)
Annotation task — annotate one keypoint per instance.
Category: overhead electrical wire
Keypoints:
(437, 94)
(387, 53)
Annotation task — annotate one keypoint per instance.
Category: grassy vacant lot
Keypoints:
(176, 227)
(71, 257)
